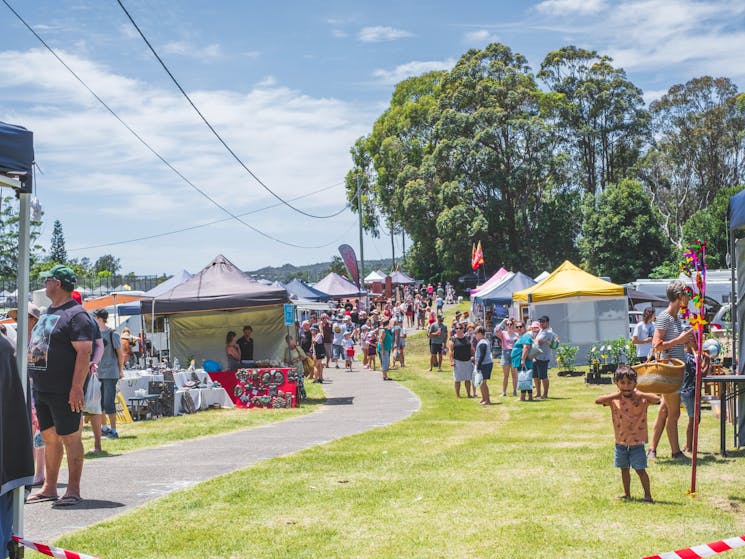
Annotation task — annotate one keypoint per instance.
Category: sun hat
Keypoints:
(33, 310)
(61, 273)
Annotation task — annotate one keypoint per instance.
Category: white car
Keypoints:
(635, 317)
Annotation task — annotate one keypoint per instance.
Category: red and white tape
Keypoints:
(706, 550)
(51, 551)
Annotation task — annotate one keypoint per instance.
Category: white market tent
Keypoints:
(583, 309)
(375, 276)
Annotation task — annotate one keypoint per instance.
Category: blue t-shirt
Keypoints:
(108, 367)
(51, 355)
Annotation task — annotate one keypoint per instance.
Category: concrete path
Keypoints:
(357, 402)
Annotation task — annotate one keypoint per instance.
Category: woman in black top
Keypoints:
(460, 359)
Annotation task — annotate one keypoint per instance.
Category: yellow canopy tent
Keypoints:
(568, 281)
(583, 309)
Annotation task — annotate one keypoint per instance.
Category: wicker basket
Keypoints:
(663, 376)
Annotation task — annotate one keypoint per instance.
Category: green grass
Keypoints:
(165, 430)
(455, 480)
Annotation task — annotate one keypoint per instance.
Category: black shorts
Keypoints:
(53, 410)
(486, 369)
(435, 349)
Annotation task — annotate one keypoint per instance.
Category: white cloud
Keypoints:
(480, 37)
(339, 34)
(94, 167)
(381, 33)
(414, 68)
(183, 48)
(570, 7)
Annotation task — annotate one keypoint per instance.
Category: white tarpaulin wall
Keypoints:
(584, 321)
(201, 335)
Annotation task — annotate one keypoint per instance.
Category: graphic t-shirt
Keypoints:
(51, 355)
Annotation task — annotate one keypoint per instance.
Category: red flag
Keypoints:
(478, 257)
(473, 256)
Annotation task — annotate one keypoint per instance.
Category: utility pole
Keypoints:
(359, 209)
(393, 250)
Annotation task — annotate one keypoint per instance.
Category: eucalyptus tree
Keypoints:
(602, 115)
(496, 158)
(398, 193)
(699, 149)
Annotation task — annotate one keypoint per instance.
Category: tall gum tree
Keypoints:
(698, 149)
(499, 150)
(601, 115)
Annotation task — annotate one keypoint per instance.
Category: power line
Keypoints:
(201, 225)
(149, 147)
(212, 129)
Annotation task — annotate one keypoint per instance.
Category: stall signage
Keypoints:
(289, 315)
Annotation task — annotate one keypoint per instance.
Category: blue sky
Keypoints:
(289, 86)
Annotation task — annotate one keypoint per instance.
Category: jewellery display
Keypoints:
(265, 388)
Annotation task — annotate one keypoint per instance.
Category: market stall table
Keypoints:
(724, 381)
(150, 402)
(136, 384)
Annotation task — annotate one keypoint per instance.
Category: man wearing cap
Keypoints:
(540, 367)
(110, 370)
(58, 360)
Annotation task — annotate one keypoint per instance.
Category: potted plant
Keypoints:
(629, 352)
(605, 355)
(593, 361)
(565, 355)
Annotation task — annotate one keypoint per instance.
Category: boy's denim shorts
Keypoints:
(689, 401)
(631, 457)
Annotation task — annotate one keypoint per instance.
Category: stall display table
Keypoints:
(274, 387)
(149, 402)
(736, 382)
(135, 384)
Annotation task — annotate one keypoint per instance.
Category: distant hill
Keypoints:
(312, 272)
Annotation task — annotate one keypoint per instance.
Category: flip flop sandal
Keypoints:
(68, 501)
(39, 498)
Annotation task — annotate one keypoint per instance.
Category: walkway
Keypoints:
(356, 402)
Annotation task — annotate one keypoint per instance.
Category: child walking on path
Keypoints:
(628, 409)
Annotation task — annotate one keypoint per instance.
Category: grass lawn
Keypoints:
(165, 430)
(455, 480)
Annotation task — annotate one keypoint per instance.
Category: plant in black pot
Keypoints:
(565, 355)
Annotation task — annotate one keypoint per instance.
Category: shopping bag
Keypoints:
(525, 380)
(308, 365)
(92, 404)
(477, 377)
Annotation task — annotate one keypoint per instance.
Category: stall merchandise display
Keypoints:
(261, 388)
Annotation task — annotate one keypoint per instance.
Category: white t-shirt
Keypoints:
(642, 331)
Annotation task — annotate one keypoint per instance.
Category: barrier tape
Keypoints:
(706, 550)
(51, 551)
